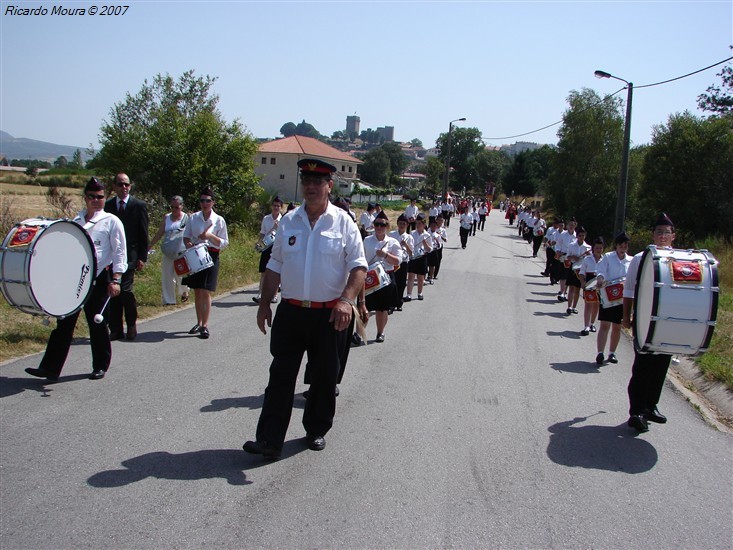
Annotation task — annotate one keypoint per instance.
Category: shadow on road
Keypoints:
(11, 386)
(227, 464)
(556, 314)
(612, 448)
(577, 367)
(548, 301)
(248, 402)
(572, 334)
(157, 336)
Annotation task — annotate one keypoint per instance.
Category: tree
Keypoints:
(76, 161)
(528, 172)
(434, 173)
(465, 145)
(687, 173)
(416, 143)
(171, 139)
(288, 129)
(61, 162)
(719, 100)
(397, 159)
(340, 134)
(376, 167)
(584, 174)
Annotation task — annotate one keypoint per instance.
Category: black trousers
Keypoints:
(401, 281)
(124, 303)
(481, 221)
(647, 380)
(536, 243)
(297, 330)
(464, 235)
(475, 223)
(57, 348)
(550, 253)
(439, 259)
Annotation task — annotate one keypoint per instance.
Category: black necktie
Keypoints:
(122, 207)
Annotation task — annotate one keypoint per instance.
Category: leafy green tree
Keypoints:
(340, 134)
(397, 159)
(288, 129)
(584, 174)
(466, 144)
(489, 168)
(61, 162)
(170, 138)
(687, 173)
(528, 172)
(416, 143)
(434, 173)
(76, 161)
(376, 168)
(719, 99)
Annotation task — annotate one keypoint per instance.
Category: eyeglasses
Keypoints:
(95, 197)
(380, 224)
(661, 233)
(206, 200)
(123, 184)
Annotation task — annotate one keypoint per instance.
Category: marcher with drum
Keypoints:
(538, 225)
(108, 236)
(208, 230)
(403, 237)
(611, 277)
(268, 230)
(385, 253)
(587, 275)
(577, 251)
(171, 231)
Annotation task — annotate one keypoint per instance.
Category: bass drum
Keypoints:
(47, 267)
(676, 301)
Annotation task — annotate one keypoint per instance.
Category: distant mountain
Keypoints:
(24, 148)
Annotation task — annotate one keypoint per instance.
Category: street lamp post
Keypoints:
(447, 163)
(620, 219)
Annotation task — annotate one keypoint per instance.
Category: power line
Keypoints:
(609, 96)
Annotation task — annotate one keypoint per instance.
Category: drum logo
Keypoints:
(371, 279)
(23, 236)
(686, 271)
(84, 273)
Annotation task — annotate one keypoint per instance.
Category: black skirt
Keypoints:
(206, 279)
(384, 298)
(418, 266)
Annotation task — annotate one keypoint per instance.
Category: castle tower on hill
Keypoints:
(352, 125)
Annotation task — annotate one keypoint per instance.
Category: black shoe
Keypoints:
(96, 375)
(195, 329)
(638, 423)
(584, 332)
(398, 308)
(315, 442)
(612, 358)
(203, 333)
(407, 299)
(568, 311)
(336, 391)
(653, 415)
(131, 332)
(420, 297)
(380, 338)
(42, 373)
(559, 297)
(116, 336)
(262, 448)
(545, 274)
(599, 358)
(256, 299)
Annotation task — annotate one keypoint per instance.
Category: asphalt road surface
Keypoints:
(481, 422)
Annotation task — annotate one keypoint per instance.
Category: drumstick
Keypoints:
(98, 318)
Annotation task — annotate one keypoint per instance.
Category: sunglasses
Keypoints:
(95, 197)
(206, 200)
(376, 224)
(123, 184)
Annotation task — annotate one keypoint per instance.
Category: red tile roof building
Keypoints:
(276, 162)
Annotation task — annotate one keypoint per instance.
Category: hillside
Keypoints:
(24, 148)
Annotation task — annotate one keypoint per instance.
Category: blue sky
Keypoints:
(507, 67)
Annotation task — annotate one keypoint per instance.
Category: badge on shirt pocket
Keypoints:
(291, 240)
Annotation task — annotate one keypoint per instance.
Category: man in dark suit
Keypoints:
(134, 216)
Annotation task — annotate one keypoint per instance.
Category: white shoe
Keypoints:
(274, 300)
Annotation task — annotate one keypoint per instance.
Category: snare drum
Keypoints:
(47, 267)
(612, 293)
(676, 301)
(376, 279)
(266, 242)
(192, 260)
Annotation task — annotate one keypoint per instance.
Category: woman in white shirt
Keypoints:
(386, 251)
(269, 225)
(613, 265)
(587, 273)
(418, 265)
(407, 244)
(172, 227)
(209, 228)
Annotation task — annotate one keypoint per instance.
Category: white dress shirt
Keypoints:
(423, 241)
(314, 264)
(268, 224)
(108, 235)
(403, 238)
(215, 225)
(563, 242)
(366, 220)
(412, 211)
(589, 265)
(612, 267)
(388, 245)
(578, 250)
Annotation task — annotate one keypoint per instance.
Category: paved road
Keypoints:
(482, 421)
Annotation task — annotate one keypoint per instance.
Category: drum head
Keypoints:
(63, 268)
(644, 300)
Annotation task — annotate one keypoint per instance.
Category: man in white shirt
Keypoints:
(649, 369)
(318, 261)
(564, 240)
(108, 235)
(411, 213)
(366, 220)
(269, 226)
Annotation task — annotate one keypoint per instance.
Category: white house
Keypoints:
(277, 163)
